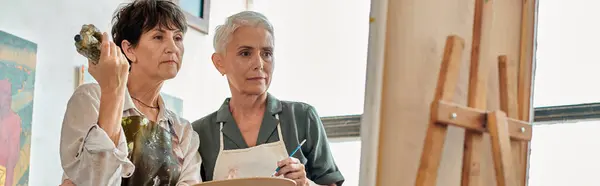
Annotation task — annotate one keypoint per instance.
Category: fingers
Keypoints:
(300, 182)
(287, 165)
(291, 168)
(122, 57)
(110, 50)
(299, 175)
(283, 163)
(105, 49)
(105, 38)
(290, 160)
(119, 53)
(115, 51)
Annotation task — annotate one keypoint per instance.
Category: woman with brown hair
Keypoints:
(118, 131)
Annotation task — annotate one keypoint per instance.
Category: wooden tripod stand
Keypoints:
(476, 121)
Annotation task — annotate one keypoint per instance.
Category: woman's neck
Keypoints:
(143, 90)
(246, 105)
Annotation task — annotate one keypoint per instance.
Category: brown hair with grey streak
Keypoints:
(140, 16)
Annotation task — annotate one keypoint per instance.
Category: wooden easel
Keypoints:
(500, 127)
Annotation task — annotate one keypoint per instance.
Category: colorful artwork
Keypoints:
(173, 103)
(17, 79)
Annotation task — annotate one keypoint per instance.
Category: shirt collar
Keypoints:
(273, 107)
(128, 105)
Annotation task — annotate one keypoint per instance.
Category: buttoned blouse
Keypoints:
(89, 157)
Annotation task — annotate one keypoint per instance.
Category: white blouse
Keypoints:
(89, 157)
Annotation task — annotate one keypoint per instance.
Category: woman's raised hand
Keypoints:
(112, 69)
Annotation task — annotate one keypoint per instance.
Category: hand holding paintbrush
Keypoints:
(292, 168)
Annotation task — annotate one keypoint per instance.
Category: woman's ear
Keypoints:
(218, 62)
(128, 50)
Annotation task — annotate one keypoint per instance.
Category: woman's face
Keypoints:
(158, 54)
(248, 60)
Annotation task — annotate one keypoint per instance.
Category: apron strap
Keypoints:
(221, 147)
(279, 127)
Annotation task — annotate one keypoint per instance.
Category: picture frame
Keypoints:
(197, 17)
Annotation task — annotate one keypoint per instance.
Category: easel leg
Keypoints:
(436, 133)
(526, 66)
(508, 89)
(509, 104)
(501, 149)
(482, 22)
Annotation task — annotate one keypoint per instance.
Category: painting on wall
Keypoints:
(17, 80)
(173, 103)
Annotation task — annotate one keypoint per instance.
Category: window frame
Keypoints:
(349, 125)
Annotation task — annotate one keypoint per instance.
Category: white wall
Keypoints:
(52, 25)
(566, 57)
(320, 52)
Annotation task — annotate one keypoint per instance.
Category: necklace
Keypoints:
(146, 105)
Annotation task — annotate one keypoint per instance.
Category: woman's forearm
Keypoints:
(88, 155)
(110, 113)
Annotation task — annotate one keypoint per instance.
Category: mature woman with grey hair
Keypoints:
(253, 132)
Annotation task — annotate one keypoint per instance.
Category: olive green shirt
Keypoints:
(299, 121)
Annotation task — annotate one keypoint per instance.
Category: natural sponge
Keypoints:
(88, 42)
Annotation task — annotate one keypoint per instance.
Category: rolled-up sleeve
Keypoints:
(88, 155)
(190, 171)
(321, 167)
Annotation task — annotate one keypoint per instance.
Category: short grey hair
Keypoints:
(232, 23)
